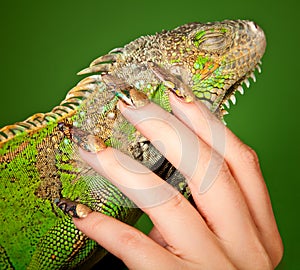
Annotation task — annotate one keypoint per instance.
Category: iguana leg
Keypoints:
(62, 247)
(173, 83)
(4, 260)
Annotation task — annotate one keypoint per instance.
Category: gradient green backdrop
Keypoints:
(44, 43)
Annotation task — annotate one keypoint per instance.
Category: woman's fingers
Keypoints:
(155, 235)
(213, 187)
(243, 164)
(226, 190)
(134, 248)
(156, 198)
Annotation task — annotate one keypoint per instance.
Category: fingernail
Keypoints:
(94, 144)
(74, 209)
(136, 99)
(82, 210)
(82, 138)
(182, 97)
(139, 98)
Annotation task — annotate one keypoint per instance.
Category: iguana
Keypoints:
(43, 179)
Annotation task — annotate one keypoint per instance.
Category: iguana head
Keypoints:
(212, 59)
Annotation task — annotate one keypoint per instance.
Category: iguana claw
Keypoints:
(128, 94)
(108, 58)
(95, 69)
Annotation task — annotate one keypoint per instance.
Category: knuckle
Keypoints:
(216, 162)
(224, 169)
(130, 238)
(278, 253)
(220, 165)
(177, 201)
(249, 156)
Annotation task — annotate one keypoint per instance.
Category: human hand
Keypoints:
(233, 226)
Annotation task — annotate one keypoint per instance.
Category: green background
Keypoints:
(44, 43)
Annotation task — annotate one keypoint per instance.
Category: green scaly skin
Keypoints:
(39, 161)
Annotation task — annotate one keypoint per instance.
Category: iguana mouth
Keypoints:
(230, 96)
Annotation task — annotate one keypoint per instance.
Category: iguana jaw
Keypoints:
(219, 74)
(230, 96)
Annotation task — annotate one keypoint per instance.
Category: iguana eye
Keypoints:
(212, 40)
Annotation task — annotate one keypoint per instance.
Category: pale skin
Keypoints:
(232, 226)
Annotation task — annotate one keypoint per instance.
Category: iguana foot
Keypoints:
(128, 94)
(175, 85)
(73, 209)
